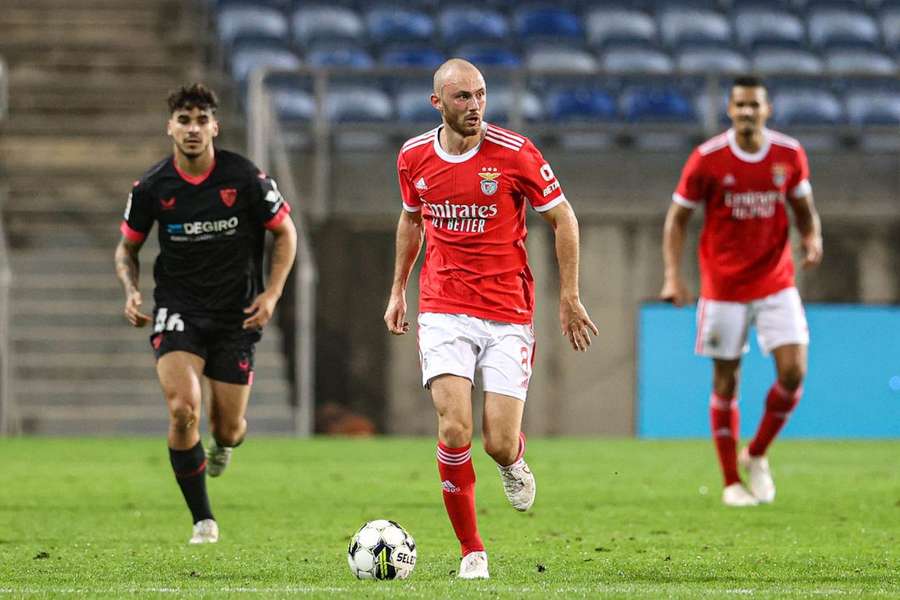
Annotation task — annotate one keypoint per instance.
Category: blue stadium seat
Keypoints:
(489, 55)
(758, 24)
(546, 21)
(412, 55)
(249, 54)
(251, 21)
(842, 62)
(655, 103)
(334, 54)
(829, 26)
(560, 59)
(352, 103)
(677, 26)
(580, 103)
(276, 4)
(462, 24)
(890, 27)
(611, 25)
(294, 105)
(873, 107)
(634, 59)
(500, 102)
(390, 24)
(699, 60)
(663, 5)
(772, 60)
(413, 105)
(806, 106)
(326, 23)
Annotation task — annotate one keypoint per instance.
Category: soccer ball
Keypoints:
(381, 550)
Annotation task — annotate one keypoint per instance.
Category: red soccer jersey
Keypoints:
(745, 253)
(473, 207)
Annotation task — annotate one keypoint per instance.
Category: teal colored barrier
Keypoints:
(852, 389)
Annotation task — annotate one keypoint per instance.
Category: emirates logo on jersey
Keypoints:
(489, 176)
(779, 174)
(228, 196)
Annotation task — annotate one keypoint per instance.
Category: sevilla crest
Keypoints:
(228, 196)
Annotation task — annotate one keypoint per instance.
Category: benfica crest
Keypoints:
(779, 174)
(489, 183)
(228, 196)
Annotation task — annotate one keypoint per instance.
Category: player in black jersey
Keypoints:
(212, 208)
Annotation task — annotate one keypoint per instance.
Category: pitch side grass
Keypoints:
(613, 519)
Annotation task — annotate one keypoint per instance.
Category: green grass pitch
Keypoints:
(613, 519)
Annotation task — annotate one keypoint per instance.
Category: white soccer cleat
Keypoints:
(737, 495)
(217, 458)
(519, 484)
(474, 566)
(761, 484)
(205, 532)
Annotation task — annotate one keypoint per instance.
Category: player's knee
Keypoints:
(229, 433)
(501, 447)
(183, 415)
(456, 433)
(791, 376)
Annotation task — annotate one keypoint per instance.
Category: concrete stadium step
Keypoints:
(141, 369)
(116, 152)
(83, 391)
(99, 124)
(110, 64)
(63, 338)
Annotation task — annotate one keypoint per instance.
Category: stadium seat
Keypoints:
(412, 55)
(276, 4)
(546, 21)
(772, 60)
(250, 54)
(806, 106)
(699, 60)
(501, 102)
(293, 105)
(612, 25)
(251, 21)
(828, 26)
(890, 27)
(324, 54)
(758, 24)
(679, 25)
(580, 103)
(389, 24)
(634, 59)
(858, 61)
(489, 55)
(663, 5)
(413, 105)
(351, 103)
(654, 103)
(560, 59)
(326, 23)
(463, 24)
(873, 107)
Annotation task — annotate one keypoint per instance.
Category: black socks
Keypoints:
(190, 472)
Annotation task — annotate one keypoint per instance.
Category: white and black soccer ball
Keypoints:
(381, 549)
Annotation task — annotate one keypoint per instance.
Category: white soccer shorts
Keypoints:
(722, 327)
(451, 344)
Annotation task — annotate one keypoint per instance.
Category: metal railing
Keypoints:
(9, 424)
(266, 148)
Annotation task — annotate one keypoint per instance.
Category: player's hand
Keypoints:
(133, 312)
(395, 315)
(260, 311)
(576, 324)
(812, 246)
(675, 291)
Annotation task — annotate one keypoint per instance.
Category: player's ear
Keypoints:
(435, 102)
(215, 127)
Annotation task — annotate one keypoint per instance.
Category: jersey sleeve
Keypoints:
(268, 206)
(690, 192)
(535, 179)
(138, 218)
(799, 185)
(408, 192)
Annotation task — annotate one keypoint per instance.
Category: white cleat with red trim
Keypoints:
(761, 483)
(474, 566)
(737, 495)
(519, 484)
(205, 532)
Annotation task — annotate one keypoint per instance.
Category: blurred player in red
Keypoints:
(744, 179)
(465, 186)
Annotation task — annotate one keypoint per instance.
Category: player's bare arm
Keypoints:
(284, 249)
(810, 228)
(573, 317)
(128, 270)
(674, 289)
(410, 233)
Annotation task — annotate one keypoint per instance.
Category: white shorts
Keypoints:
(459, 345)
(722, 327)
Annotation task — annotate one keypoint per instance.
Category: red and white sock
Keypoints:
(458, 483)
(724, 419)
(780, 402)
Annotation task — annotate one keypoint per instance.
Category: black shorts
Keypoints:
(226, 347)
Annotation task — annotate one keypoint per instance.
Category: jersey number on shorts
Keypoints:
(165, 322)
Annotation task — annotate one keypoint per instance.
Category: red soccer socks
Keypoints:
(724, 419)
(780, 402)
(458, 483)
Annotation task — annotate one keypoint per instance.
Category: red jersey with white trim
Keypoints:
(745, 253)
(473, 208)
